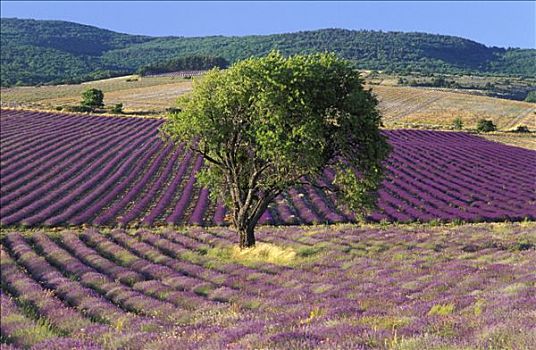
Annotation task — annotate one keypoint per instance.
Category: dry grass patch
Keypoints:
(261, 253)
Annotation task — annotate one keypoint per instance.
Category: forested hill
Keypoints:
(38, 51)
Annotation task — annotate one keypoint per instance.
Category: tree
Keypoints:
(458, 123)
(522, 129)
(270, 123)
(92, 98)
(484, 125)
(117, 108)
(531, 96)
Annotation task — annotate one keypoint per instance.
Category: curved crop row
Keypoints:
(116, 171)
(345, 287)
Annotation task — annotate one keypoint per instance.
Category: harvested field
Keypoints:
(402, 107)
(425, 107)
(137, 94)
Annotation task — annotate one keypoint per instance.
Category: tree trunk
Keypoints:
(247, 237)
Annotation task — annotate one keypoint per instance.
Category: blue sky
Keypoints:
(505, 24)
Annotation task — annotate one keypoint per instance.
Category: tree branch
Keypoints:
(207, 157)
(333, 189)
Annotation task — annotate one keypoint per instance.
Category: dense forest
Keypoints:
(44, 52)
(185, 63)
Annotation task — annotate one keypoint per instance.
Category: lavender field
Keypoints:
(61, 169)
(334, 287)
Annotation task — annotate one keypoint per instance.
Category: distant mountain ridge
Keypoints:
(44, 51)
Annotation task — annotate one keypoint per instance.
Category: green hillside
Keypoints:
(37, 51)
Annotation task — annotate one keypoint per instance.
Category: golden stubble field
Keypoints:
(410, 107)
(145, 95)
(402, 107)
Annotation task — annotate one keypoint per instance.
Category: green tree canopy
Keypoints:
(484, 125)
(192, 62)
(92, 98)
(266, 124)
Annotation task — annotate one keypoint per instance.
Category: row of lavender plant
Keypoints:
(85, 324)
(98, 170)
(181, 289)
(103, 184)
(76, 153)
(75, 293)
(78, 186)
(350, 287)
(118, 292)
(29, 201)
(17, 127)
(152, 191)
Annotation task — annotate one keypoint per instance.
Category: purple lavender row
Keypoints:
(120, 294)
(389, 195)
(219, 214)
(175, 251)
(461, 181)
(85, 299)
(200, 208)
(61, 317)
(168, 195)
(436, 200)
(393, 208)
(510, 156)
(440, 185)
(483, 179)
(35, 157)
(152, 280)
(153, 248)
(465, 160)
(20, 117)
(493, 158)
(77, 248)
(404, 187)
(83, 122)
(62, 135)
(142, 203)
(427, 178)
(171, 289)
(109, 161)
(74, 150)
(12, 127)
(189, 276)
(135, 190)
(29, 200)
(178, 289)
(97, 205)
(176, 216)
(446, 141)
(458, 182)
(306, 214)
(70, 322)
(198, 239)
(190, 243)
(84, 206)
(12, 118)
(26, 144)
(433, 206)
(19, 329)
(284, 210)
